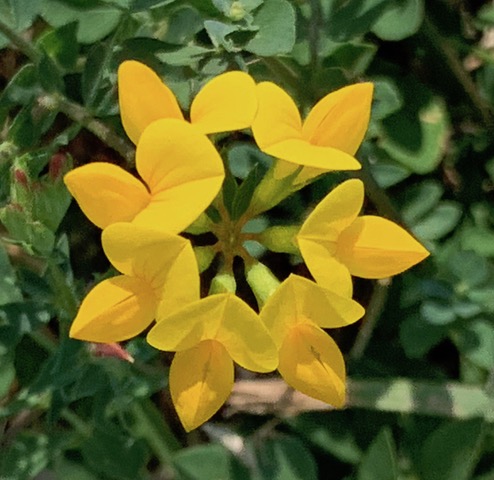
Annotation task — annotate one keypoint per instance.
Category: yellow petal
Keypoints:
(340, 119)
(167, 262)
(227, 102)
(201, 380)
(302, 152)
(311, 362)
(116, 309)
(190, 325)
(143, 98)
(334, 213)
(374, 247)
(183, 171)
(319, 235)
(245, 337)
(298, 300)
(328, 271)
(106, 193)
(221, 317)
(277, 116)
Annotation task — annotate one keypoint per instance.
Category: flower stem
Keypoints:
(17, 40)
(151, 426)
(79, 114)
(74, 111)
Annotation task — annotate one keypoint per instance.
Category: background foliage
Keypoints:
(421, 364)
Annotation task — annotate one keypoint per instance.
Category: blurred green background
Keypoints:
(421, 363)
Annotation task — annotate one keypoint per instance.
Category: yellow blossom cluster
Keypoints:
(181, 174)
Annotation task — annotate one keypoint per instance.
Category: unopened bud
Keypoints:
(20, 177)
(223, 283)
(110, 350)
(56, 165)
(262, 281)
(237, 11)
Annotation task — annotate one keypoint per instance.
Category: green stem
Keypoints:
(454, 64)
(65, 297)
(77, 423)
(80, 115)
(314, 35)
(372, 315)
(152, 427)
(376, 194)
(283, 71)
(74, 111)
(17, 40)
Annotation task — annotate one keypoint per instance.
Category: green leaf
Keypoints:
(437, 313)
(9, 291)
(22, 88)
(285, 458)
(388, 173)
(208, 462)
(190, 54)
(451, 451)
(332, 435)
(438, 223)
(379, 461)
(51, 202)
(387, 98)
(470, 269)
(243, 157)
(244, 193)
(7, 374)
(94, 24)
(18, 14)
(276, 34)
(486, 14)
(352, 58)
(420, 200)
(349, 20)
(418, 336)
(218, 32)
(26, 457)
(115, 454)
(183, 25)
(61, 45)
(49, 75)
(230, 189)
(476, 341)
(95, 74)
(419, 147)
(67, 469)
(23, 132)
(34, 236)
(143, 5)
(400, 20)
(479, 239)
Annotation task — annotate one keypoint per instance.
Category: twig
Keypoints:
(80, 115)
(74, 111)
(23, 45)
(372, 314)
(453, 62)
(398, 395)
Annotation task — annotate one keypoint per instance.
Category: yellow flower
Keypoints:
(159, 275)
(208, 336)
(182, 173)
(329, 136)
(310, 361)
(227, 102)
(336, 243)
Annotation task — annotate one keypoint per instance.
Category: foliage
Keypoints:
(421, 365)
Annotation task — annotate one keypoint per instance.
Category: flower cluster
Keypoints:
(181, 174)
